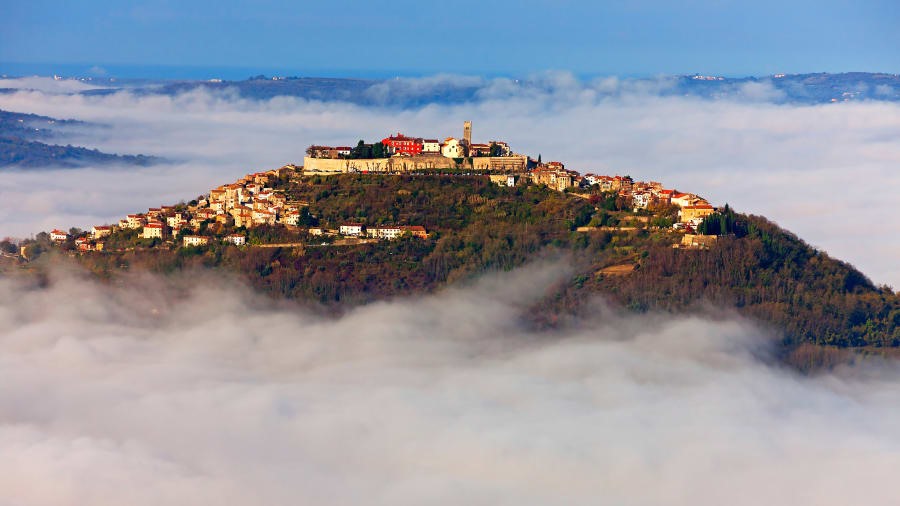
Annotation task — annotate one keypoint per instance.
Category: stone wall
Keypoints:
(312, 166)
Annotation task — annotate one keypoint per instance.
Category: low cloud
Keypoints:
(142, 394)
(47, 84)
(825, 172)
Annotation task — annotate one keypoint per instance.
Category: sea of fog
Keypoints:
(196, 391)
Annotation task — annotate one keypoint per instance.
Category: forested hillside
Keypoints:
(754, 269)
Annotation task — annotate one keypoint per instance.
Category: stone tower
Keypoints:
(467, 132)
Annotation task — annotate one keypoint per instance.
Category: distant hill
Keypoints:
(22, 144)
(412, 92)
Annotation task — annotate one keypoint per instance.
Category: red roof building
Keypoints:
(402, 144)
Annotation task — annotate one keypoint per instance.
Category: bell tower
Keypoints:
(467, 132)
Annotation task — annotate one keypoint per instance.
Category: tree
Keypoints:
(362, 150)
(7, 246)
(378, 150)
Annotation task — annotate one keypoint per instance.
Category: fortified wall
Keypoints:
(515, 163)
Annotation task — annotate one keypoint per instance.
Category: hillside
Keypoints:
(755, 269)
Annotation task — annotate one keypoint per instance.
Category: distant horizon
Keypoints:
(237, 73)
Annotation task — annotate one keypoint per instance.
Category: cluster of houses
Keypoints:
(248, 202)
(692, 209)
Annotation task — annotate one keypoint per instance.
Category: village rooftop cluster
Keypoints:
(247, 203)
(254, 200)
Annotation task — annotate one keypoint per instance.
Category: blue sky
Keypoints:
(402, 37)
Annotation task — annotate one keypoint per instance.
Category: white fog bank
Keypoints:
(126, 396)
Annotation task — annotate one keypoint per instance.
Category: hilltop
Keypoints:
(343, 240)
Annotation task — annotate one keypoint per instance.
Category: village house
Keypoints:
(505, 179)
(217, 195)
(695, 214)
(416, 231)
(452, 148)
(686, 199)
(694, 241)
(479, 149)
(641, 200)
(243, 217)
(134, 221)
(352, 229)
(431, 146)
(236, 239)
(387, 232)
(83, 245)
(58, 235)
(291, 217)
(99, 231)
(261, 217)
(176, 220)
(664, 196)
(154, 230)
(403, 145)
(194, 240)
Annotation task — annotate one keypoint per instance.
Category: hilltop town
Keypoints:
(347, 228)
(229, 213)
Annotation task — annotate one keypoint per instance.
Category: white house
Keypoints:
(154, 231)
(452, 148)
(195, 240)
(431, 146)
(135, 220)
(354, 229)
(236, 239)
(175, 220)
(391, 232)
(641, 200)
(58, 235)
(291, 217)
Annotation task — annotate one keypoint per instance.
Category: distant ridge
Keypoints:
(818, 88)
(22, 144)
